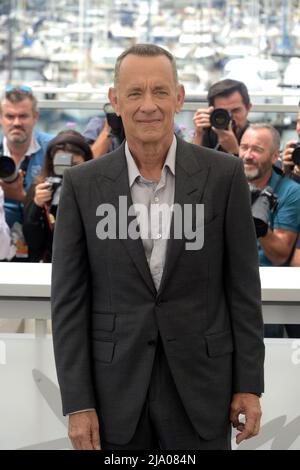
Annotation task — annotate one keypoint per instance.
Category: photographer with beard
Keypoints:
(233, 97)
(24, 146)
(259, 150)
(68, 148)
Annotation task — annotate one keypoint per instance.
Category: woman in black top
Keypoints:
(68, 148)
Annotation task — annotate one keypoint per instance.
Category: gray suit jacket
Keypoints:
(107, 313)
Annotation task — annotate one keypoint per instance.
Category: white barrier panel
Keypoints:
(30, 405)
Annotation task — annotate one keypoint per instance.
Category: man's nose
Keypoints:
(148, 104)
(247, 154)
(16, 121)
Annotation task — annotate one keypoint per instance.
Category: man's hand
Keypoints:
(227, 139)
(14, 190)
(287, 156)
(84, 430)
(43, 194)
(201, 121)
(103, 141)
(248, 405)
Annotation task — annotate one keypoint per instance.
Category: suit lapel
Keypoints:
(115, 184)
(190, 181)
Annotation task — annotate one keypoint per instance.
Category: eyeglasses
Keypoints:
(25, 88)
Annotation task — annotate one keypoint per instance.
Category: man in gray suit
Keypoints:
(158, 339)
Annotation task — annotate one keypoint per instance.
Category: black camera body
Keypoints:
(263, 201)
(114, 121)
(296, 154)
(55, 183)
(220, 118)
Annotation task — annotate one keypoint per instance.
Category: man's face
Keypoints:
(257, 153)
(18, 121)
(298, 125)
(235, 105)
(147, 98)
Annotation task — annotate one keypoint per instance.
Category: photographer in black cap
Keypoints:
(67, 149)
(222, 124)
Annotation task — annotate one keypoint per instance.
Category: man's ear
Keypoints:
(180, 98)
(275, 157)
(36, 116)
(112, 95)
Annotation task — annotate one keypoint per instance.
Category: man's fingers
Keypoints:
(96, 438)
(249, 429)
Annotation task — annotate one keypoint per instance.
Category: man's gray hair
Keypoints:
(144, 50)
(273, 131)
(16, 95)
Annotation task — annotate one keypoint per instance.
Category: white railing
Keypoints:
(28, 379)
(25, 292)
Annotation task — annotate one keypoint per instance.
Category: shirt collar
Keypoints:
(133, 171)
(33, 147)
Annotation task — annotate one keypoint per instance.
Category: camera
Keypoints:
(8, 169)
(54, 183)
(61, 161)
(220, 118)
(114, 121)
(262, 202)
(296, 153)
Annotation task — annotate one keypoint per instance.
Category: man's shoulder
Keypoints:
(43, 138)
(93, 128)
(288, 188)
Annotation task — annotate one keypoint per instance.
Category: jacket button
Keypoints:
(152, 342)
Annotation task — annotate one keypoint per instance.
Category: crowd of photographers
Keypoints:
(32, 165)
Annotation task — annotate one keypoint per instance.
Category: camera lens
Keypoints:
(220, 118)
(296, 154)
(8, 169)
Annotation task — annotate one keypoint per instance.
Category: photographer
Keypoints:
(259, 150)
(106, 135)
(291, 155)
(68, 148)
(291, 167)
(5, 238)
(223, 133)
(22, 148)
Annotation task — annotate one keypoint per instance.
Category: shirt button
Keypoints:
(158, 236)
(156, 199)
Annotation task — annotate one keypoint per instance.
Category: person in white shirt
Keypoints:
(5, 238)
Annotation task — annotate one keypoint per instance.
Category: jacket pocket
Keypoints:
(104, 321)
(219, 344)
(103, 351)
